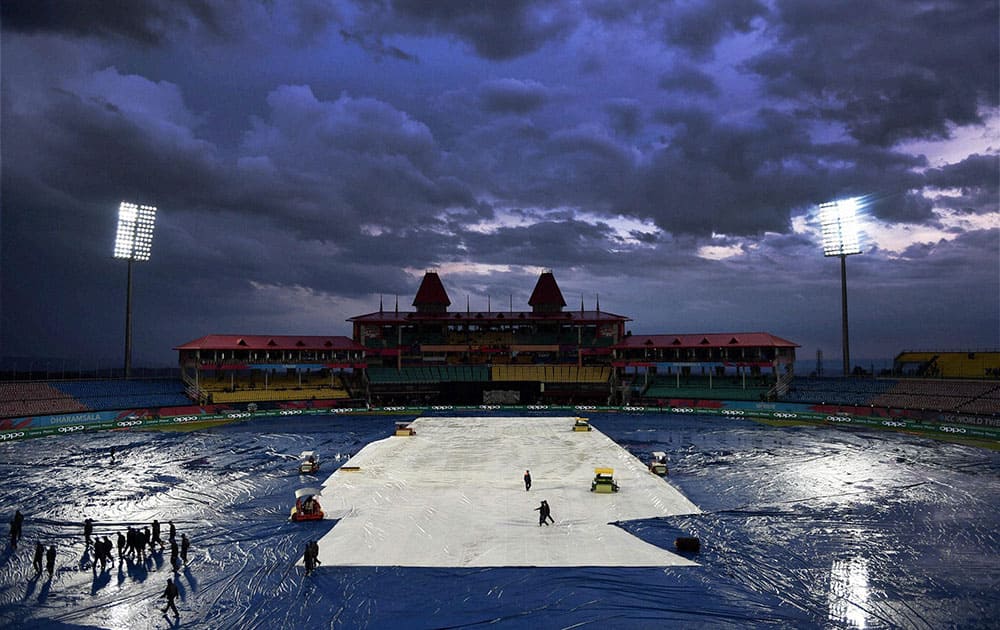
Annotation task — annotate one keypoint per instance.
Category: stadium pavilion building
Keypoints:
(433, 355)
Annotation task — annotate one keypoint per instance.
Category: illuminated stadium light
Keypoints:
(840, 227)
(841, 237)
(134, 242)
(135, 231)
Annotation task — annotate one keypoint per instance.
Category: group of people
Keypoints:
(41, 553)
(133, 543)
(49, 556)
(311, 556)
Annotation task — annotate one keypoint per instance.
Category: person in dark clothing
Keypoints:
(174, 561)
(131, 542)
(15, 528)
(145, 540)
(171, 594)
(314, 547)
(307, 558)
(527, 480)
(156, 536)
(50, 559)
(88, 529)
(105, 554)
(121, 546)
(173, 530)
(141, 542)
(185, 545)
(98, 555)
(544, 514)
(39, 554)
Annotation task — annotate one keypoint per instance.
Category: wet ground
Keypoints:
(804, 527)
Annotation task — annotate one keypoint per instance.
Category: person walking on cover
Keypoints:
(314, 550)
(88, 529)
(544, 514)
(185, 545)
(171, 594)
(174, 562)
(50, 559)
(15, 528)
(156, 536)
(527, 480)
(39, 554)
(307, 558)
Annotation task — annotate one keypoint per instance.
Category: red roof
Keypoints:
(271, 342)
(402, 317)
(709, 340)
(431, 291)
(546, 292)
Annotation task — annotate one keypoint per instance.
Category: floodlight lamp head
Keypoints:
(840, 227)
(135, 231)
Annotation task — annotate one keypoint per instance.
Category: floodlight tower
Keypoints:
(839, 224)
(133, 243)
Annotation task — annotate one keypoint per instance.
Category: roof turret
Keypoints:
(431, 296)
(546, 297)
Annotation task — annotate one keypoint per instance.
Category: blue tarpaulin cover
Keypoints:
(802, 526)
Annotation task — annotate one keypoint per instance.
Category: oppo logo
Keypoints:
(838, 419)
(78, 427)
(952, 429)
(732, 412)
(11, 436)
(129, 423)
(893, 423)
(785, 415)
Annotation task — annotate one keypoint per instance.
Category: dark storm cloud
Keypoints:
(618, 143)
(698, 27)
(495, 30)
(903, 208)
(888, 71)
(974, 173)
(717, 177)
(625, 114)
(145, 21)
(546, 243)
(688, 78)
(115, 137)
(359, 158)
(376, 47)
(512, 96)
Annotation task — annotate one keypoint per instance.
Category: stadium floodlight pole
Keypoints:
(133, 243)
(839, 225)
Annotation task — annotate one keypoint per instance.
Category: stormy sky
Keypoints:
(309, 158)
